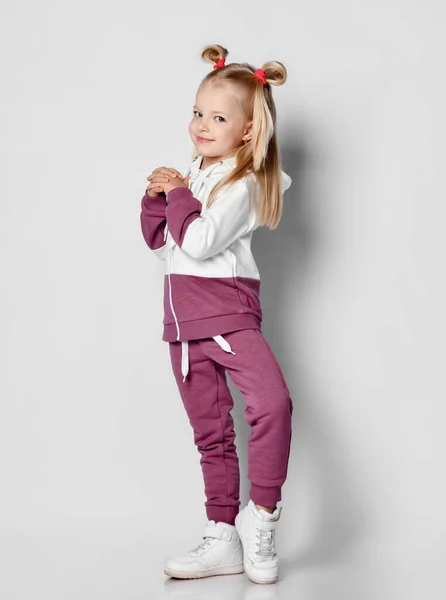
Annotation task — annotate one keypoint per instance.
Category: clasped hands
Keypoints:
(164, 179)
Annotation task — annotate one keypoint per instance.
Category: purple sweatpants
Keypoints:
(254, 370)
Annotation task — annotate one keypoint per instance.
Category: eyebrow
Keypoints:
(220, 112)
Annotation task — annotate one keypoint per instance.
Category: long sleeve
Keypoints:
(224, 221)
(153, 222)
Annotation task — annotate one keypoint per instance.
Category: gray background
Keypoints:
(100, 479)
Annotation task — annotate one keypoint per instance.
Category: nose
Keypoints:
(203, 125)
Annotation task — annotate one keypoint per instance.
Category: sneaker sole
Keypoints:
(226, 570)
(266, 581)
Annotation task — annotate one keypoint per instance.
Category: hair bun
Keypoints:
(213, 53)
(275, 71)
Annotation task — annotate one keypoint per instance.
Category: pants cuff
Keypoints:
(226, 514)
(265, 496)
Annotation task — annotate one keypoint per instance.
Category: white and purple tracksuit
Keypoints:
(212, 288)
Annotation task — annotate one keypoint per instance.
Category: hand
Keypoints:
(160, 181)
(175, 182)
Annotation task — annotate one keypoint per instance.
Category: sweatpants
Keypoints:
(199, 367)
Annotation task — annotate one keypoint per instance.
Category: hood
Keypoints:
(221, 168)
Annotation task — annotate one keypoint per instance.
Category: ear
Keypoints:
(248, 133)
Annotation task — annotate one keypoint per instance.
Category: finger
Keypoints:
(176, 173)
(165, 171)
(169, 171)
(159, 178)
(154, 186)
(155, 172)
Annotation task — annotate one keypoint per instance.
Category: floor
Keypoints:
(120, 564)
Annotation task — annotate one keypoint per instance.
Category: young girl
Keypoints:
(201, 225)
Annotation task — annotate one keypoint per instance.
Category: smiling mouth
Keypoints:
(202, 139)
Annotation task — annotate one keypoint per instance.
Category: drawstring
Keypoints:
(197, 180)
(184, 359)
(224, 344)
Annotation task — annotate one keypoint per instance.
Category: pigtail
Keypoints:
(258, 156)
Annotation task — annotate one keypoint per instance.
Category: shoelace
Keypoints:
(202, 544)
(265, 543)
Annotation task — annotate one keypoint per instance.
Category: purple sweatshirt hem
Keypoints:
(205, 328)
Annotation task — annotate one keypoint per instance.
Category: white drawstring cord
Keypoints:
(184, 359)
(223, 344)
(185, 353)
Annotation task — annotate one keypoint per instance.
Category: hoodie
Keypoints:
(211, 283)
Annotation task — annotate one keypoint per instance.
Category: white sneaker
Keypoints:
(256, 529)
(219, 553)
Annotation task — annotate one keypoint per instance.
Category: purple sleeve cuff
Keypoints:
(153, 220)
(154, 206)
(182, 209)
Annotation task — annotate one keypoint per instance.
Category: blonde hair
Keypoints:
(259, 155)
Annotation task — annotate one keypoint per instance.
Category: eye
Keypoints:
(195, 112)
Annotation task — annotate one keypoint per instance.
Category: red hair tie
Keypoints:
(220, 63)
(260, 74)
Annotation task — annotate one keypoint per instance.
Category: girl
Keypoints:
(201, 225)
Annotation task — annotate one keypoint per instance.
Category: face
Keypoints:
(218, 126)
